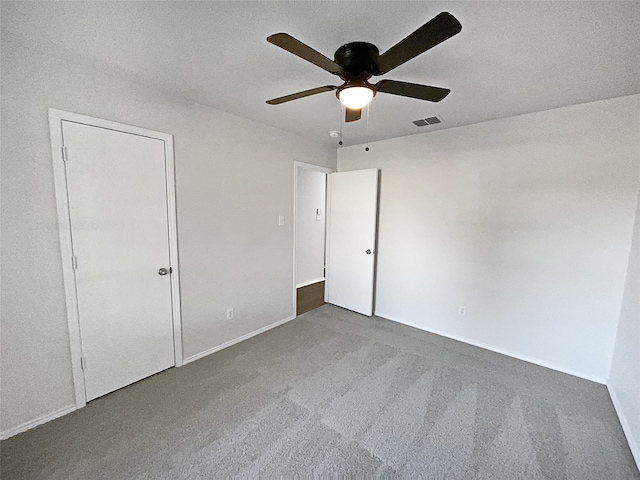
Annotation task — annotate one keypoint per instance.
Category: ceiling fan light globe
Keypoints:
(355, 97)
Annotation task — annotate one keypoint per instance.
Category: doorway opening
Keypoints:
(310, 208)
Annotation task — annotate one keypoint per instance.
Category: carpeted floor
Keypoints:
(336, 393)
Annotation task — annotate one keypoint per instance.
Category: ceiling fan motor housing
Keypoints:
(358, 60)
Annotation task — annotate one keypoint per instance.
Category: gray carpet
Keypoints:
(336, 393)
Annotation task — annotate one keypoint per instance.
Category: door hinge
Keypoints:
(83, 363)
(65, 154)
(74, 262)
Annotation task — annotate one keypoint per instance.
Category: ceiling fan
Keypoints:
(357, 62)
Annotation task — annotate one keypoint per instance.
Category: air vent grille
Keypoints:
(423, 122)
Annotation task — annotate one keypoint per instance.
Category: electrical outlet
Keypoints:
(230, 313)
(462, 310)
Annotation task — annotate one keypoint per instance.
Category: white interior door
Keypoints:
(118, 212)
(351, 239)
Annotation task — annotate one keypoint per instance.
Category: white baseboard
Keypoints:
(631, 440)
(37, 421)
(70, 408)
(197, 356)
(310, 282)
(519, 356)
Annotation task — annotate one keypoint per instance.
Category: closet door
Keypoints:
(117, 196)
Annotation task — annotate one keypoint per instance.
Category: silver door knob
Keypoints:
(163, 271)
(368, 251)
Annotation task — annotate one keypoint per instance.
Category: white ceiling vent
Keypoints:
(423, 122)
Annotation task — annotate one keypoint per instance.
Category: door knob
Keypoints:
(368, 251)
(163, 271)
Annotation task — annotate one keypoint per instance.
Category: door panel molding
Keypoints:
(56, 117)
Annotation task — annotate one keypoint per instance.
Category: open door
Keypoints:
(351, 239)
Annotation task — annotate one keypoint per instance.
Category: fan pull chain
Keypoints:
(366, 149)
(342, 113)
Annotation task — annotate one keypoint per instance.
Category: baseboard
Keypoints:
(37, 421)
(502, 351)
(222, 346)
(631, 440)
(68, 409)
(310, 282)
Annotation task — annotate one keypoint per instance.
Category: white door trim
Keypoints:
(317, 168)
(64, 226)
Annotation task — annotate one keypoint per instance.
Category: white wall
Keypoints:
(234, 177)
(526, 221)
(624, 381)
(311, 191)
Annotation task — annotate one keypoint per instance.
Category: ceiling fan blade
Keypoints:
(295, 46)
(304, 93)
(413, 90)
(435, 31)
(352, 115)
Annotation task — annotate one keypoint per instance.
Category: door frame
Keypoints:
(64, 227)
(317, 168)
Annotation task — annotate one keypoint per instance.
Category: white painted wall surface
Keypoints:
(311, 193)
(234, 178)
(526, 221)
(624, 381)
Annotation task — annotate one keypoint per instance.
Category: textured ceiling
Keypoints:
(510, 58)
